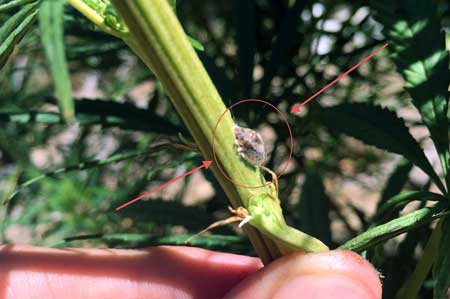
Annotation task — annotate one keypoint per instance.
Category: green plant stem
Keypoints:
(154, 33)
(157, 38)
(410, 289)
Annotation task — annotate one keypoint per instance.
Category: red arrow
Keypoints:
(205, 164)
(296, 107)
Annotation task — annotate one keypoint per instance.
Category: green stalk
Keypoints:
(159, 40)
(156, 36)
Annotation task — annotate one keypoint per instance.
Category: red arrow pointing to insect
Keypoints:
(205, 164)
(296, 107)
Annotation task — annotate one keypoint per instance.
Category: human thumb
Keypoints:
(333, 274)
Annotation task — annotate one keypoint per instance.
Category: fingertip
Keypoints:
(333, 274)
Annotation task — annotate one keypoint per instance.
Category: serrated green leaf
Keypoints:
(313, 208)
(51, 16)
(394, 228)
(379, 127)
(441, 267)
(418, 50)
(14, 29)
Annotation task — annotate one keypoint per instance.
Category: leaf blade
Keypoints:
(399, 201)
(51, 16)
(195, 43)
(424, 68)
(394, 228)
(379, 127)
(14, 29)
(12, 4)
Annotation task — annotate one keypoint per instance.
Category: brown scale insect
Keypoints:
(250, 145)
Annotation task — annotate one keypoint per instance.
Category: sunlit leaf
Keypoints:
(417, 43)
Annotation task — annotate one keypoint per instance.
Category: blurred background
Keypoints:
(60, 184)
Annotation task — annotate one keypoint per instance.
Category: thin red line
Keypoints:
(343, 75)
(158, 188)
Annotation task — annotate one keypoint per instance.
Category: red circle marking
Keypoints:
(291, 141)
